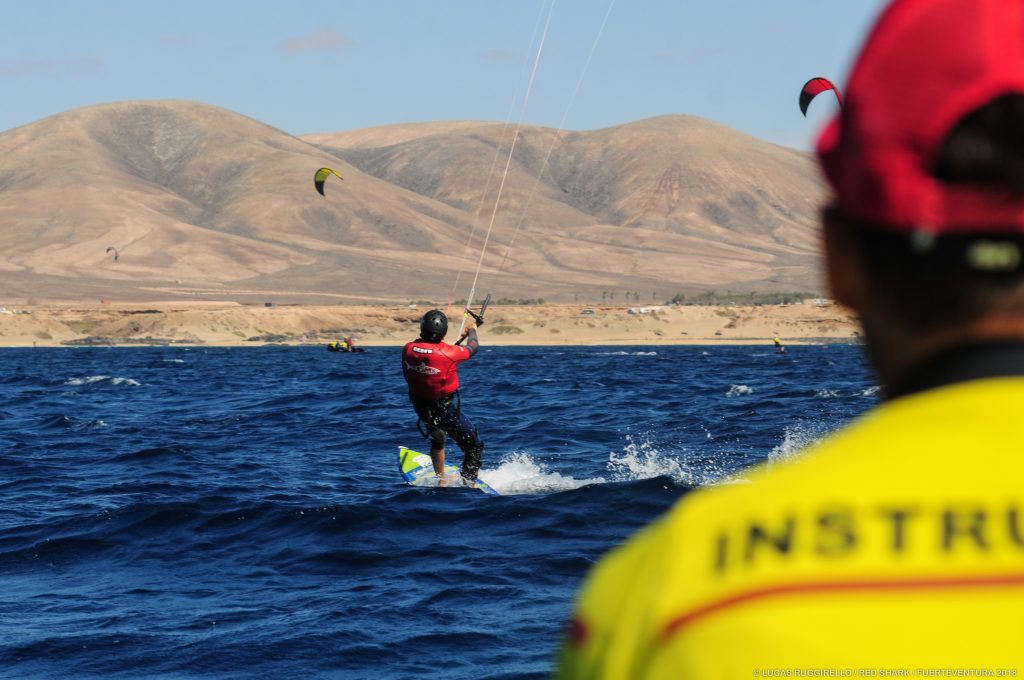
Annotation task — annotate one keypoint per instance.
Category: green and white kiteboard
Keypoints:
(418, 470)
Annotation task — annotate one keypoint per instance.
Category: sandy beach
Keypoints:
(233, 324)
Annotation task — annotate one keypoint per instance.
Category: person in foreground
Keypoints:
(430, 366)
(896, 544)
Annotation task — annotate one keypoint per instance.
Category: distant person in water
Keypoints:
(778, 345)
(430, 366)
(898, 542)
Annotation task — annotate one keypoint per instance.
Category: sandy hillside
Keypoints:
(234, 324)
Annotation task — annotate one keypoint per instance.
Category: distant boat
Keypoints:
(343, 347)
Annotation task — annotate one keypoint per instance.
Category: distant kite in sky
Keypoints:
(116, 254)
(321, 176)
(812, 88)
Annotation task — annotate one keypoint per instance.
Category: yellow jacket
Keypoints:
(895, 545)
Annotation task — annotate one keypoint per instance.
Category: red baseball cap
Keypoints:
(925, 65)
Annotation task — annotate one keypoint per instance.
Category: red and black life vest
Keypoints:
(430, 368)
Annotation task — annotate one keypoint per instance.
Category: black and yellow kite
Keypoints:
(321, 176)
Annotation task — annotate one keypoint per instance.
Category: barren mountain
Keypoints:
(203, 202)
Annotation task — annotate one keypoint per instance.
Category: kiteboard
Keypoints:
(418, 470)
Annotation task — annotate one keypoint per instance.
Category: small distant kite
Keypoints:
(116, 254)
(321, 176)
(812, 88)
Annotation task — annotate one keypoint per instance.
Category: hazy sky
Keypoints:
(330, 65)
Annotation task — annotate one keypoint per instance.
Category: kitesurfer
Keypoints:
(895, 546)
(430, 366)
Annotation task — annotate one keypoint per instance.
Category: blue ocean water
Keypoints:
(238, 512)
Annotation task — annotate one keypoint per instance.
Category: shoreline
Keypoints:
(230, 324)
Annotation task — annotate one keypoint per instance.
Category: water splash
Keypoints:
(519, 473)
(795, 439)
(739, 390)
(644, 460)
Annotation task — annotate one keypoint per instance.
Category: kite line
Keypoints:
(508, 162)
(556, 137)
(494, 161)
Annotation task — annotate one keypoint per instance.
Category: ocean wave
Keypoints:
(87, 380)
(94, 379)
(739, 391)
(158, 453)
(625, 353)
(56, 422)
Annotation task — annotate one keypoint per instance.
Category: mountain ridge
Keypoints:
(208, 203)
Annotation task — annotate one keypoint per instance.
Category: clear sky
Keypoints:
(331, 65)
